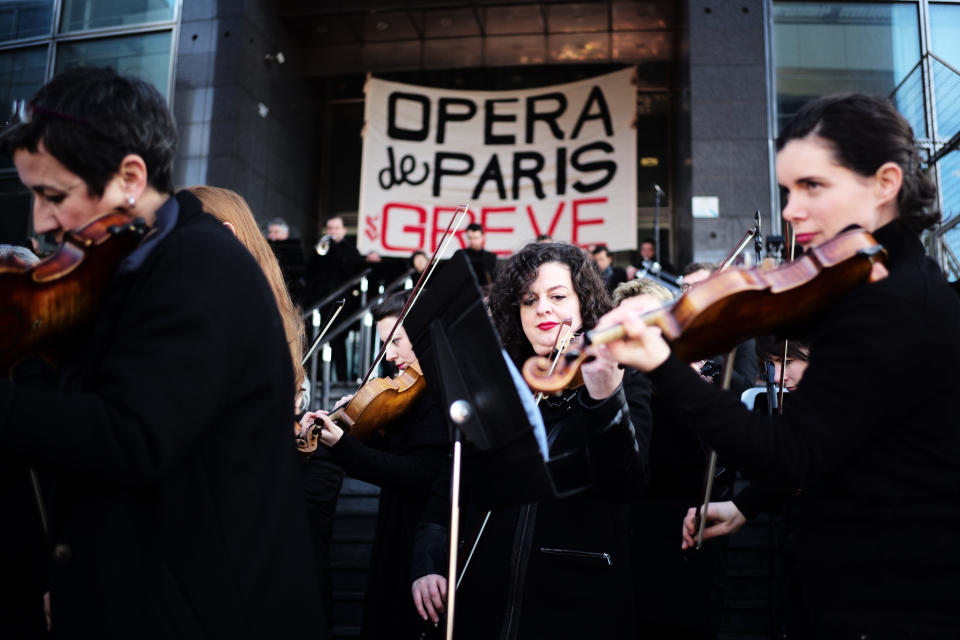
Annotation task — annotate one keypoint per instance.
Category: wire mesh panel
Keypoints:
(946, 87)
(908, 99)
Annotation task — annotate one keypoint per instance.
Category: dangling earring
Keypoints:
(131, 202)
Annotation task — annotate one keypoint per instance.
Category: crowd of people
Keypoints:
(155, 488)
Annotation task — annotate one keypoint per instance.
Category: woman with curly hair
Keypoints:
(558, 568)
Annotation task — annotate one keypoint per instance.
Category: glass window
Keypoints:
(944, 26)
(81, 15)
(944, 44)
(21, 74)
(25, 18)
(143, 56)
(829, 47)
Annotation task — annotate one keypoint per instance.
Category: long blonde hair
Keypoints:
(229, 206)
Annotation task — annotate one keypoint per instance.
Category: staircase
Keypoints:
(749, 598)
(352, 540)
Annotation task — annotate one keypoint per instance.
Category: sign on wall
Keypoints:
(557, 160)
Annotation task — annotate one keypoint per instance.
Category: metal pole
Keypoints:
(327, 357)
(366, 339)
(315, 323)
(656, 223)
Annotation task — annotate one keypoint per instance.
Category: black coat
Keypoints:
(404, 464)
(484, 264)
(179, 496)
(873, 439)
(559, 568)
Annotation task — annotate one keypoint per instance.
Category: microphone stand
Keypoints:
(656, 222)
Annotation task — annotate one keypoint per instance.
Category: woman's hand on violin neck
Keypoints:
(644, 347)
(602, 376)
(330, 433)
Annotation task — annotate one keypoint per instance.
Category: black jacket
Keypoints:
(873, 439)
(179, 496)
(404, 464)
(559, 568)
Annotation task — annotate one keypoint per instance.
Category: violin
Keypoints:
(44, 303)
(378, 403)
(729, 307)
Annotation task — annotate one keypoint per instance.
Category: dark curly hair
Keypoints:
(517, 273)
(867, 132)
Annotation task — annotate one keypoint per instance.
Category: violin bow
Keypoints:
(700, 520)
(455, 222)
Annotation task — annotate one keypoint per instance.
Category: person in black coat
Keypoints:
(178, 498)
(612, 276)
(484, 262)
(871, 434)
(558, 568)
(403, 461)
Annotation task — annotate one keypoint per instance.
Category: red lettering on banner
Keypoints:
(438, 229)
(553, 222)
(577, 222)
(407, 228)
(371, 231)
(487, 229)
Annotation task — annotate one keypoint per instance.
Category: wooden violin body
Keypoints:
(737, 304)
(375, 406)
(43, 304)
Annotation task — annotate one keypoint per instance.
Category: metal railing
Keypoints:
(321, 361)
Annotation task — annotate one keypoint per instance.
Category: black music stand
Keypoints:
(469, 374)
(462, 360)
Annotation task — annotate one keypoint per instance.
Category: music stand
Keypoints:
(467, 371)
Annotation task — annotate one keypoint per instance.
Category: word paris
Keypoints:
(557, 160)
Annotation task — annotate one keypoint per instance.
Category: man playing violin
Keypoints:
(871, 434)
(166, 436)
(404, 461)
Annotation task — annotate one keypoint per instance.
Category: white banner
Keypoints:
(557, 160)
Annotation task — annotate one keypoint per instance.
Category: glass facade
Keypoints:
(25, 19)
(21, 74)
(145, 56)
(82, 15)
(831, 47)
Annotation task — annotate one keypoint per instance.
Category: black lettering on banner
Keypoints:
(439, 170)
(492, 172)
(609, 166)
(491, 117)
(394, 130)
(444, 115)
(529, 172)
(550, 117)
(596, 96)
(397, 175)
(561, 170)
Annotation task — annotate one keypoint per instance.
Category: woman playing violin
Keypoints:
(871, 433)
(176, 503)
(558, 568)
(403, 461)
